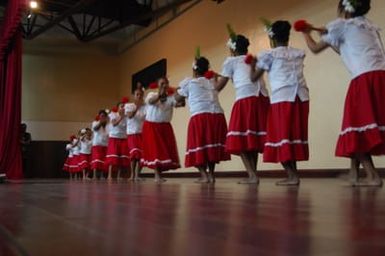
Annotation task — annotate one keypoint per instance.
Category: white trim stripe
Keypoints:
(135, 149)
(122, 156)
(362, 128)
(97, 161)
(248, 132)
(158, 161)
(285, 141)
(204, 147)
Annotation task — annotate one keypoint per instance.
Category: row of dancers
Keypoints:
(139, 134)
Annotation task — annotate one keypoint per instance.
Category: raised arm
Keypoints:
(313, 45)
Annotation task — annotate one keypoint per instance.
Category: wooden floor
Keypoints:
(182, 218)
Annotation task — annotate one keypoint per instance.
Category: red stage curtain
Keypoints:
(10, 90)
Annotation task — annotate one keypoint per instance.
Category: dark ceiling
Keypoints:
(88, 20)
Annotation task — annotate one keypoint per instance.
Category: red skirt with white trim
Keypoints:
(159, 146)
(98, 161)
(75, 164)
(287, 132)
(206, 140)
(363, 125)
(85, 160)
(117, 152)
(135, 146)
(67, 164)
(247, 127)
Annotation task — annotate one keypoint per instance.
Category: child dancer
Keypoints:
(76, 155)
(85, 151)
(159, 145)
(363, 127)
(117, 150)
(99, 142)
(287, 125)
(135, 112)
(247, 127)
(68, 165)
(207, 129)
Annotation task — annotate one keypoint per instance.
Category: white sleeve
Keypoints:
(68, 147)
(265, 60)
(150, 96)
(94, 124)
(228, 68)
(113, 116)
(183, 87)
(129, 108)
(335, 32)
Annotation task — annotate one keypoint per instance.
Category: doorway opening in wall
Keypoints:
(149, 74)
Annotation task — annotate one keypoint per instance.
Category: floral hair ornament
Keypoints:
(268, 27)
(249, 59)
(107, 111)
(303, 25)
(197, 57)
(232, 42)
(209, 74)
(97, 118)
(349, 5)
(115, 109)
(153, 85)
(83, 131)
(125, 100)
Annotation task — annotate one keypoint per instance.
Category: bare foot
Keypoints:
(202, 180)
(160, 180)
(288, 182)
(109, 178)
(368, 183)
(137, 179)
(252, 180)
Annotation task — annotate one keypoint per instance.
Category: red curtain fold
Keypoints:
(10, 90)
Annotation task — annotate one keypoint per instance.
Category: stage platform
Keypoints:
(179, 217)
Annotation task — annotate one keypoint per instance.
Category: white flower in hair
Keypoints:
(194, 66)
(83, 131)
(107, 111)
(348, 6)
(231, 44)
(269, 31)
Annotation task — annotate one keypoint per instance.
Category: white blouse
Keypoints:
(85, 146)
(236, 69)
(359, 44)
(160, 112)
(69, 149)
(76, 149)
(118, 131)
(135, 124)
(285, 71)
(201, 95)
(100, 137)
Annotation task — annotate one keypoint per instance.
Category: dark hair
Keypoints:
(242, 44)
(361, 7)
(202, 65)
(102, 112)
(281, 30)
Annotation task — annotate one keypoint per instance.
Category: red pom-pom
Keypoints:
(72, 137)
(301, 25)
(153, 85)
(97, 118)
(170, 90)
(209, 74)
(125, 100)
(249, 58)
(115, 109)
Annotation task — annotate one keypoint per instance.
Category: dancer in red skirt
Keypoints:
(136, 113)
(247, 127)
(159, 145)
(287, 125)
(69, 163)
(207, 129)
(76, 155)
(117, 150)
(85, 151)
(363, 127)
(99, 143)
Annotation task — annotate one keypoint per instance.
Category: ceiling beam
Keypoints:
(76, 8)
(135, 20)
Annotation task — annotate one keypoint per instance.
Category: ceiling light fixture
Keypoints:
(33, 4)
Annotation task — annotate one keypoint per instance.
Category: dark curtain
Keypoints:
(10, 90)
